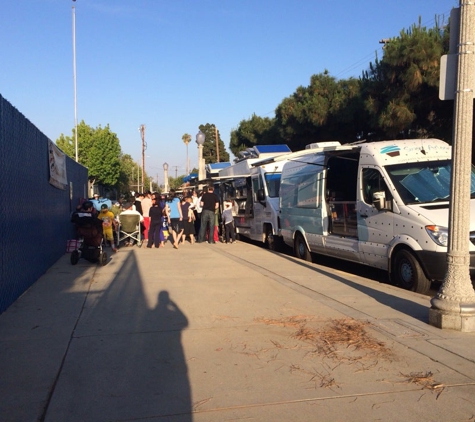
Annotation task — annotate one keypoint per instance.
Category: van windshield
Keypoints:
(273, 184)
(421, 183)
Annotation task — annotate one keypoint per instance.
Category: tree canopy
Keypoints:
(397, 97)
(209, 147)
(98, 150)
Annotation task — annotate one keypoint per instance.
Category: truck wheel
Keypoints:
(74, 257)
(408, 273)
(103, 258)
(300, 248)
(272, 242)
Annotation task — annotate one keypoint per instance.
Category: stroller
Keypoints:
(89, 229)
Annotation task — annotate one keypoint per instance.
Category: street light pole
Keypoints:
(454, 305)
(165, 177)
(200, 140)
(74, 82)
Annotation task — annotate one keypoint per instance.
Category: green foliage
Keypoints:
(98, 150)
(396, 97)
(401, 90)
(209, 147)
(327, 109)
(175, 182)
(255, 131)
(128, 177)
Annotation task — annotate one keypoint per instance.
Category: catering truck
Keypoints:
(383, 204)
(253, 187)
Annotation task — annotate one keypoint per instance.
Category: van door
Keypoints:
(375, 217)
(259, 208)
(341, 186)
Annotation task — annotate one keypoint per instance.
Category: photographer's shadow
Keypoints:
(172, 388)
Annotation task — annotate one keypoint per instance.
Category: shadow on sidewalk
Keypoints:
(126, 359)
(408, 307)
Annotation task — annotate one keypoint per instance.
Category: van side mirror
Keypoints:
(379, 200)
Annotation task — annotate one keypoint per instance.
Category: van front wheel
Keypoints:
(300, 248)
(408, 273)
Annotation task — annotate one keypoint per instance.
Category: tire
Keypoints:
(270, 240)
(74, 257)
(408, 273)
(103, 259)
(300, 248)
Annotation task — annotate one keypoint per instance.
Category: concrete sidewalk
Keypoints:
(226, 332)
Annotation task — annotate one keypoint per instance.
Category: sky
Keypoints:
(173, 65)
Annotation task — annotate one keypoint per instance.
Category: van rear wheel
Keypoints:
(408, 273)
(300, 248)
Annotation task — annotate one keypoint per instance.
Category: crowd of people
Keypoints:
(192, 216)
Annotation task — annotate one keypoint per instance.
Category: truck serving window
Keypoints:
(419, 183)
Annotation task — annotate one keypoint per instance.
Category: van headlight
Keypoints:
(439, 235)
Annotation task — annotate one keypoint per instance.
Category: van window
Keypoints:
(373, 182)
(256, 185)
(273, 184)
(301, 191)
(419, 183)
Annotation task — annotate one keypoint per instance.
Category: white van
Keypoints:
(384, 204)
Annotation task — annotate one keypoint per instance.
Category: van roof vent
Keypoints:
(326, 144)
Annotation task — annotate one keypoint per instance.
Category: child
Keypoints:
(164, 228)
(228, 221)
(108, 223)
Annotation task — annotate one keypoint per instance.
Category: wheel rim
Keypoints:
(406, 271)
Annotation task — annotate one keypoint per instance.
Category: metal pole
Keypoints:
(201, 169)
(144, 147)
(454, 305)
(187, 162)
(75, 90)
(217, 143)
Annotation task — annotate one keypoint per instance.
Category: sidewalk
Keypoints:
(226, 332)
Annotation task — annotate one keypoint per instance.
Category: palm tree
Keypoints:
(186, 138)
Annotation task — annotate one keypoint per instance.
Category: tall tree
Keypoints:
(186, 138)
(254, 131)
(401, 90)
(209, 147)
(98, 150)
(327, 109)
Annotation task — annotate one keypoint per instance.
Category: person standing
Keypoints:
(155, 214)
(146, 205)
(188, 220)
(209, 204)
(228, 221)
(176, 217)
(196, 206)
(138, 203)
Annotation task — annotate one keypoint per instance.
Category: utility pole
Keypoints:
(217, 143)
(144, 147)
